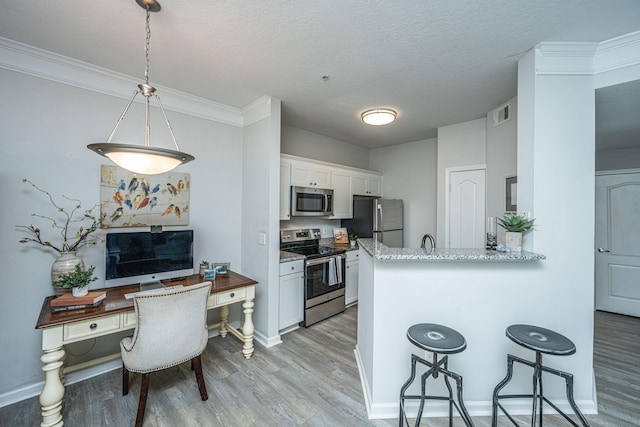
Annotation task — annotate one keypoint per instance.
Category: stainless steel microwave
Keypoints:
(308, 201)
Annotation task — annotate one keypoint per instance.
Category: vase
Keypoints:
(353, 243)
(513, 241)
(65, 263)
(80, 292)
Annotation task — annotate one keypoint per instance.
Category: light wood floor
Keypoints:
(309, 380)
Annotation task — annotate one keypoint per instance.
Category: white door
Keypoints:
(466, 209)
(617, 243)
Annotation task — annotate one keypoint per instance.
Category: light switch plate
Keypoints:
(262, 238)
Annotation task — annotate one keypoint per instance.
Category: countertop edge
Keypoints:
(381, 252)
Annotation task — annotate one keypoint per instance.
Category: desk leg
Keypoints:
(53, 390)
(247, 328)
(224, 318)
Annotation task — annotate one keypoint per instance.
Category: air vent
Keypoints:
(501, 115)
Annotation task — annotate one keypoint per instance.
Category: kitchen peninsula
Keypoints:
(474, 291)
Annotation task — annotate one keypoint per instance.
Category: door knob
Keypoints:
(603, 250)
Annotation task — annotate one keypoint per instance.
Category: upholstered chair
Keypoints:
(171, 329)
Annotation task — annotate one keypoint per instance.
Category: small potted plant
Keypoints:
(515, 226)
(77, 280)
(352, 239)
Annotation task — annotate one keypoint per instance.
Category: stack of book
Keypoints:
(68, 302)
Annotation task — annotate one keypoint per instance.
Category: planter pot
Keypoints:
(353, 243)
(65, 263)
(513, 241)
(80, 292)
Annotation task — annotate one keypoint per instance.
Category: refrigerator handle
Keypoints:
(379, 207)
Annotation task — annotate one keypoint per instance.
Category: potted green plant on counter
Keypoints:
(352, 239)
(77, 280)
(515, 226)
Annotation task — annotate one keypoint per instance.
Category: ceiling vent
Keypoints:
(501, 115)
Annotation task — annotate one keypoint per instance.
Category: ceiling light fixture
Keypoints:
(379, 116)
(143, 159)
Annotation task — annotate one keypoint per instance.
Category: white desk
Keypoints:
(117, 314)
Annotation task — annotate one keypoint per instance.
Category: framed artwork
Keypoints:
(511, 194)
(128, 199)
(221, 268)
(340, 235)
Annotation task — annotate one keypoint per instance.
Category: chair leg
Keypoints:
(142, 403)
(125, 380)
(197, 366)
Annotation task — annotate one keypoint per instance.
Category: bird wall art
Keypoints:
(128, 199)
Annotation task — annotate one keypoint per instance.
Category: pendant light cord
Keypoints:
(146, 46)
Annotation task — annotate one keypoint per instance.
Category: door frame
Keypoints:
(447, 193)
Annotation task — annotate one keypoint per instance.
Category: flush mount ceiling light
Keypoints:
(378, 116)
(143, 159)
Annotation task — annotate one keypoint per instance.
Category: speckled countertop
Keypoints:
(384, 253)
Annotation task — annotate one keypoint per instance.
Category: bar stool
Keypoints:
(541, 341)
(439, 340)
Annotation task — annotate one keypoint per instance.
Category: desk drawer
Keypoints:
(130, 319)
(231, 296)
(92, 327)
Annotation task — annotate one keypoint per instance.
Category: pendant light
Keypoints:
(143, 159)
(378, 116)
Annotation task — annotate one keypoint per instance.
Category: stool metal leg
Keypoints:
(405, 386)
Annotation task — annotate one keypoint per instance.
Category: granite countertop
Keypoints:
(380, 252)
(290, 256)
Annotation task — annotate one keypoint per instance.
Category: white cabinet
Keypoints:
(291, 298)
(310, 175)
(367, 185)
(342, 201)
(351, 278)
(285, 188)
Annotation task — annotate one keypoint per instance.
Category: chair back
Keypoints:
(171, 328)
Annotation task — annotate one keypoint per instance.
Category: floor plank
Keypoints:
(310, 380)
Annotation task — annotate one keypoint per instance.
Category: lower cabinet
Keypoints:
(351, 278)
(291, 299)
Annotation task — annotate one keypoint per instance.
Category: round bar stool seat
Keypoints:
(436, 338)
(540, 339)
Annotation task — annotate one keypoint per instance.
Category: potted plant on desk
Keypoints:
(77, 280)
(515, 226)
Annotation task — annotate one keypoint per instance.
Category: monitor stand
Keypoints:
(147, 286)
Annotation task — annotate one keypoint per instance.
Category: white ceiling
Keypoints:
(436, 62)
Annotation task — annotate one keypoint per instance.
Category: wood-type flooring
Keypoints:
(310, 379)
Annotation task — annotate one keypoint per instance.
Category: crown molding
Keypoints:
(32, 61)
(588, 59)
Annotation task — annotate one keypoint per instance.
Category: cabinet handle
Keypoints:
(232, 294)
(93, 326)
(293, 268)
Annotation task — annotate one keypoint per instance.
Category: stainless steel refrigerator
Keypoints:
(381, 219)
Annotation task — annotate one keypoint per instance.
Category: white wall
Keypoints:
(302, 143)
(410, 172)
(46, 127)
(462, 144)
(628, 158)
(260, 213)
(502, 157)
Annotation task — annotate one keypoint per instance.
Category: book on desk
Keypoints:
(68, 302)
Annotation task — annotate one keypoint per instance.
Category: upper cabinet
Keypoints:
(367, 185)
(285, 189)
(310, 175)
(342, 200)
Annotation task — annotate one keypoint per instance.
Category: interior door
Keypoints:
(467, 198)
(617, 244)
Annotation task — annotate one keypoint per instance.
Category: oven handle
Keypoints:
(319, 261)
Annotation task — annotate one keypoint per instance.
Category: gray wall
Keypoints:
(628, 158)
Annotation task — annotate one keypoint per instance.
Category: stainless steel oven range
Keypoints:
(324, 273)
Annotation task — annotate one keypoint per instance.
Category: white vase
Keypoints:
(80, 292)
(513, 241)
(353, 243)
(65, 263)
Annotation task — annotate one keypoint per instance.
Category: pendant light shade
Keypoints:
(379, 116)
(143, 159)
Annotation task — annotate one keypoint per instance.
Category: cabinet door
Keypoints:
(367, 185)
(342, 206)
(285, 191)
(291, 300)
(351, 283)
(375, 186)
(359, 185)
(308, 175)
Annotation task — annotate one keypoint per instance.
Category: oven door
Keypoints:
(324, 276)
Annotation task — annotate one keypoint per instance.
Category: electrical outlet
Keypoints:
(262, 238)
